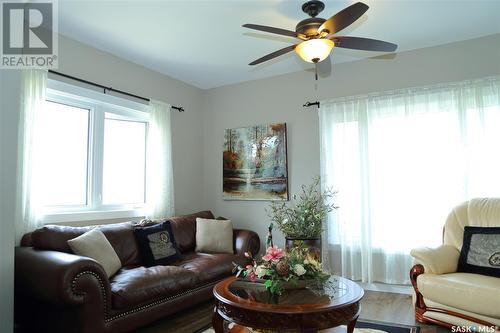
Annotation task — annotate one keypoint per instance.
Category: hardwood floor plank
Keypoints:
(377, 306)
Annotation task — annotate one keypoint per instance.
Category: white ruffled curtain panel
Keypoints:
(33, 87)
(400, 161)
(160, 183)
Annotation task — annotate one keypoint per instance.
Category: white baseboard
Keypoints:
(388, 288)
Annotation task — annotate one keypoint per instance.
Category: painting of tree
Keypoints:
(255, 163)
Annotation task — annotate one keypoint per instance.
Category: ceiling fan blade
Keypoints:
(367, 44)
(273, 55)
(272, 30)
(344, 18)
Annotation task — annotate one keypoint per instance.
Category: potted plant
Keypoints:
(301, 219)
(278, 270)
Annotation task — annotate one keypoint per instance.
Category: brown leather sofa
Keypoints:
(57, 291)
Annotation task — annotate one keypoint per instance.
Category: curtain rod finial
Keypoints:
(178, 108)
(308, 104)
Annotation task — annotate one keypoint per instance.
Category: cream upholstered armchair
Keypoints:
(441, 295)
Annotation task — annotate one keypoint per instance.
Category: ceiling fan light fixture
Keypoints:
(317, 34)
(314, 50)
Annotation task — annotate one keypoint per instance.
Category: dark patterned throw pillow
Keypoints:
(480, 251)
(157, 244)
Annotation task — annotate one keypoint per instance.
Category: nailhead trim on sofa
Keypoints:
(101, 286)
(108, 318)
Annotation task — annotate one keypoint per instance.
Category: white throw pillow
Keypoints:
(95, 245)
(214, 236)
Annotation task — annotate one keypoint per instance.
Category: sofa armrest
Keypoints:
(246, 241)
(58, 277)
(440, 260)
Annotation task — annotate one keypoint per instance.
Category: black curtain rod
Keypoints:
(104, 88)
(308, 104)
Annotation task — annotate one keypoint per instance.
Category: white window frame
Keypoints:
(98, 105)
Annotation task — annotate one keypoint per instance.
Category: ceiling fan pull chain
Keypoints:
(316, 71)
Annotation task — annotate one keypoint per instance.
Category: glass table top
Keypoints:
(310, 292)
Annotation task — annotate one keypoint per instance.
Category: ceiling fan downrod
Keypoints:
(313, 8)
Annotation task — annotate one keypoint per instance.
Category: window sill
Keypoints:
(92, 215)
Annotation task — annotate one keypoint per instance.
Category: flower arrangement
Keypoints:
(304, 219)
(279, 269)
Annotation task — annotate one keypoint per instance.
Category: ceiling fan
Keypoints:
(318, 37)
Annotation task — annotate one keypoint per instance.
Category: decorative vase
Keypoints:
(313, 244)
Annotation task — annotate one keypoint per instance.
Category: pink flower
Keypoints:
(273, 253)
(249, 267)
(252, 276)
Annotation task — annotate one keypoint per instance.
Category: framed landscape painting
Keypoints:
(255, 163)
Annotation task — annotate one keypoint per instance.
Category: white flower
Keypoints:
(284, 221)
(299, 270)
(260, 271)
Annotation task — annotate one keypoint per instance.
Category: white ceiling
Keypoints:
(202, 42)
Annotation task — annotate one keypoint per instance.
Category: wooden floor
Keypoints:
(379, 306)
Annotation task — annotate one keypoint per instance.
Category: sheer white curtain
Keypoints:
(400, 161)
(160, 183)
(33, 86)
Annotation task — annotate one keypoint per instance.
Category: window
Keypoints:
(400, 162)
(124, 161)
(91, 159)
(64, 152)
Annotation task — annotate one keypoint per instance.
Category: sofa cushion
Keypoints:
(210, 267)
(184, 229)
(214, 236)
(134, 286)
(480, 252)
(479, 212)
(453, 319)
(120, 236)
(470, 292)
(93, 244)
(157, 244)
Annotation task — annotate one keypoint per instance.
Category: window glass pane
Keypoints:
(419, 167)
(124, 161)
(62, 155)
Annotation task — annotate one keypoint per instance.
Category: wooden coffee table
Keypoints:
(309, 309)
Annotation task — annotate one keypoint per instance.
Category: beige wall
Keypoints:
(88, 63)
(280, 99)
(9, 119)
(198, 133)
